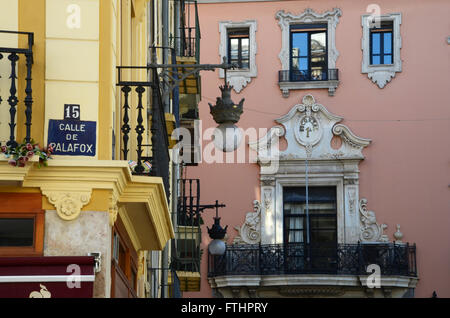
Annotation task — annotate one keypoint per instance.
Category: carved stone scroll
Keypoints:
(250, 231)
(371, 231)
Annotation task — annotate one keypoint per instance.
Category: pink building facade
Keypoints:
(356, 93)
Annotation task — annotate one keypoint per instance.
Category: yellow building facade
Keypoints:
(90, 199)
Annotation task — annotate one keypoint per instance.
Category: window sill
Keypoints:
(287, 86)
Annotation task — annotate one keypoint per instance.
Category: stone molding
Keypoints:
(326, 166)
(381, 74)
(311, 285)
(68, 185)
(238, 78)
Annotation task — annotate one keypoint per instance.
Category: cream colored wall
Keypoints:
(90, 232)
(9, 20)
(72, 62)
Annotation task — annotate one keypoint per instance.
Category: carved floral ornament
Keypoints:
(68, 203)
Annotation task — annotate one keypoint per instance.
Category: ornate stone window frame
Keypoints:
(381, 74)
(326, 167)
(331, 18)
(238, 78)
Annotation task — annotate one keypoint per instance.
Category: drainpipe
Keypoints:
(176, 27)
(165, 44)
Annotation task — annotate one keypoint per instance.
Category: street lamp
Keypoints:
(226, 113)
(217, 233)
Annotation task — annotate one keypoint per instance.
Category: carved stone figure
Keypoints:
(249, 232)
(371, 231)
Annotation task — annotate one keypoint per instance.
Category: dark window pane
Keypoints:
(245, 64)
(315, 222)
(328, 236)
(16, 232)
(315, 194)
(122, 258)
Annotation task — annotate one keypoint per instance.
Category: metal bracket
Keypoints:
(98, 261)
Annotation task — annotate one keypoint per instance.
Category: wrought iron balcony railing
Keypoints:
(330, 74)
(188, 43)
(156, 162)
(13, 55)
(300, 258)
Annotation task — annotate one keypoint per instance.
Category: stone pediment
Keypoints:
(309, 129)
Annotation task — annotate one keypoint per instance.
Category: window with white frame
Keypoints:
(308, 53)
(381, 44)
(238, 46)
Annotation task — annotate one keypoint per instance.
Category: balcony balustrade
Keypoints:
(308, 75)
(300, 258)
(157, 163)
(14, 55)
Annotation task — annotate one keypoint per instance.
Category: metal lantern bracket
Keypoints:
(196, 68)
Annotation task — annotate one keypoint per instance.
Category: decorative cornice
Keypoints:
(68, 184)
(308, 106)
(348, 136)
(308, 128)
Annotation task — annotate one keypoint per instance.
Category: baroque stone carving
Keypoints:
(113, 209)
(267, 182)
(371, 231)
(268, 199)
(68, 204)
(250, 231)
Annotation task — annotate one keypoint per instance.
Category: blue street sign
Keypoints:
(72, 137)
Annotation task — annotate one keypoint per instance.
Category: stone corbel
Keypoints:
(68, 203)
(113, 209)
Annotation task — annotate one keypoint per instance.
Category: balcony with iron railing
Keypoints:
(151, 158)
(304, 259)
(308, 75)
(10, 82)
(308, 79)
(186, 43)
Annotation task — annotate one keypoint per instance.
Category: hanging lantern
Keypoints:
(227, 136)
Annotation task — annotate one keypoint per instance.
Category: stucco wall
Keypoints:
(405, 173)
(90, 232)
